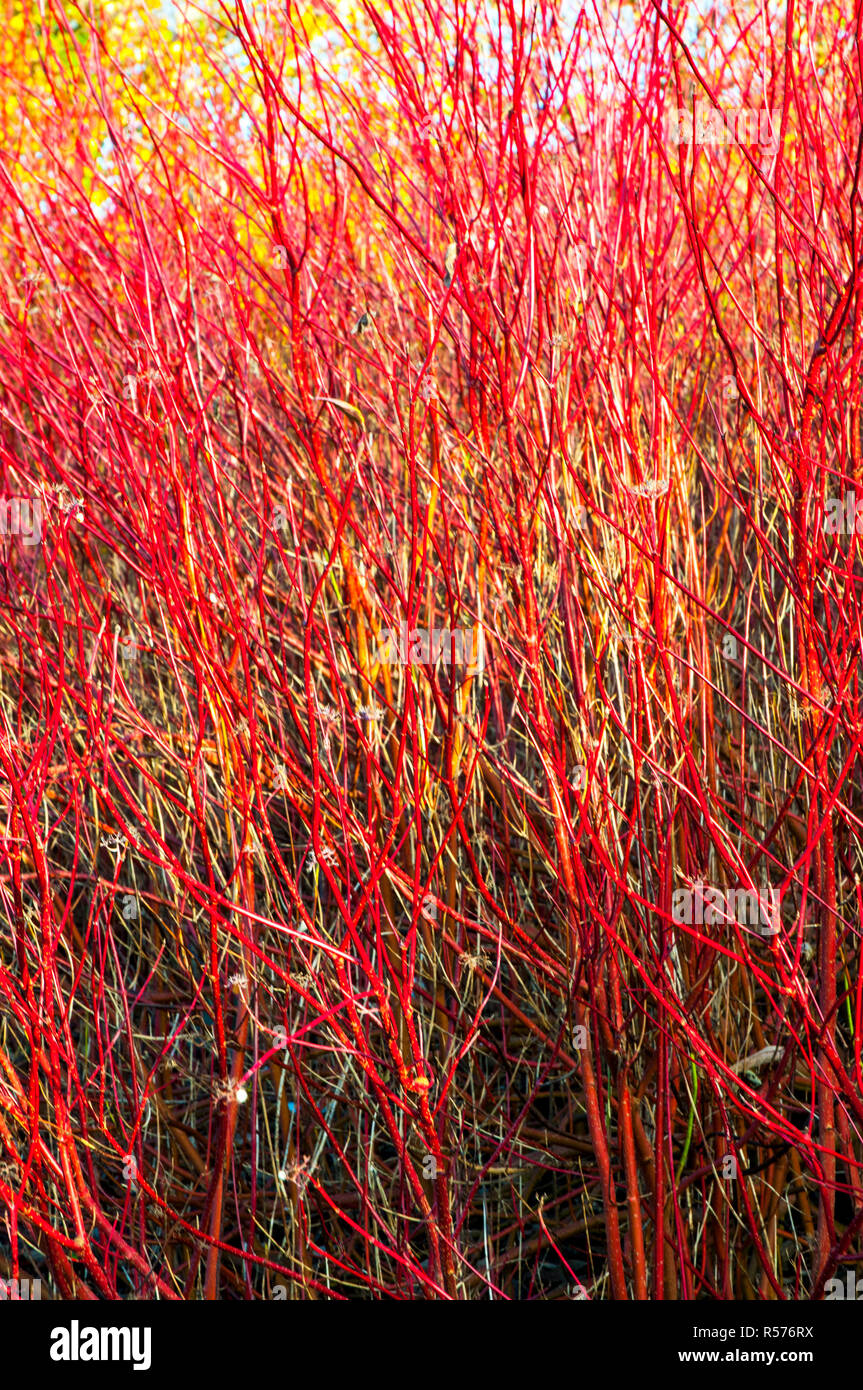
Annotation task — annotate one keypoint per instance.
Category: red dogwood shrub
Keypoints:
(430, 454)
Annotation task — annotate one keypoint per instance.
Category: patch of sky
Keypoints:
(169, 14)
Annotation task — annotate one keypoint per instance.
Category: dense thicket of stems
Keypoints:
(331, 966)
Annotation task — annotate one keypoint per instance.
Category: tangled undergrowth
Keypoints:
(431, 574)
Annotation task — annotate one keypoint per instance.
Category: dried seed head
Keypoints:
(449, 263)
